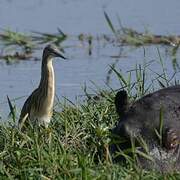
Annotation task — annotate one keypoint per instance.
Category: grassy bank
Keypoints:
(75, 146)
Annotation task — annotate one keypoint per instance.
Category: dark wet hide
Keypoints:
(149, 130)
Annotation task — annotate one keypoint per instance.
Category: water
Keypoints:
(79, 16)
(82, 16)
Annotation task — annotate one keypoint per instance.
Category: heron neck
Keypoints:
(47, 81)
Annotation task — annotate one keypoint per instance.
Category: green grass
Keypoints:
(75, 146)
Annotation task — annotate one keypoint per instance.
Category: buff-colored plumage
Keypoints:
(39, 105)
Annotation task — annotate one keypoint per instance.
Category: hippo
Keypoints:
(152, 125)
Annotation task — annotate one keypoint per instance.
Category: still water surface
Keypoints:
(83, 16)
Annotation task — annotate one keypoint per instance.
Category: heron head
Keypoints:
(52, 50)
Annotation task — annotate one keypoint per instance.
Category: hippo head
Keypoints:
(139, 132)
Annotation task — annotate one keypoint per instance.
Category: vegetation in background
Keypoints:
(130, 36)
(42, 38)
(21, 46)
(15, 45)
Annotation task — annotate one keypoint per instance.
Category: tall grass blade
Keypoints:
(109, 23)
(12, 109)
(120, 76)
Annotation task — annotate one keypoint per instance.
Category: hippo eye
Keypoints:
(171, 139)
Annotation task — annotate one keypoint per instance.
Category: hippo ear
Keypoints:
(121, 102)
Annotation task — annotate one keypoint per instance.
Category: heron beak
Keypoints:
(57, 53)
(60, 55)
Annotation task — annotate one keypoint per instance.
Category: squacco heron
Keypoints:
(38, 107)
